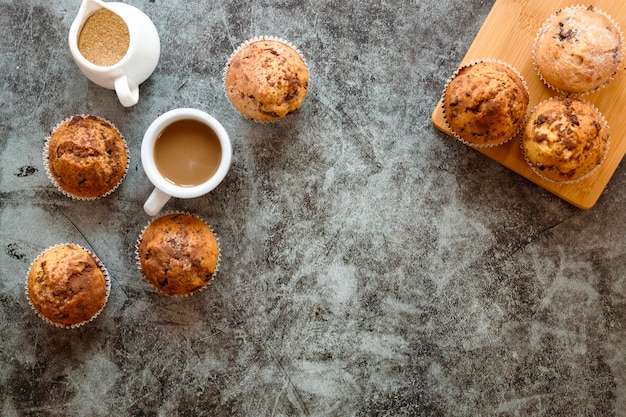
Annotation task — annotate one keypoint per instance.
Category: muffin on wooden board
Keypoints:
(266, 79)
(86, 157)
(565, 139)
(485, 103)
(578, 49)
(178, 254)
(67, 285)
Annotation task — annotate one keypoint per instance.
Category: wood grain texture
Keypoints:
(508, 34)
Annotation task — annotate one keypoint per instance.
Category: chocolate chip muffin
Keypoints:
(178, 254)
(485, 103)
(67, 286)
(578, 49)
(565, 139)
(266, 79)
(86, 157)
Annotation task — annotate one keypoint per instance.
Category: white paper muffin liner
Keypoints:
(483, 145)
(46, 160)
(582, 177)
(237, 50)
(138, 258)
(593, 90)
(100, 265)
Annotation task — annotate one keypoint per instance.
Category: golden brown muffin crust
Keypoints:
(178, 254)
(485, 103)
(578, 49)
(565, 139)
(66, 285)
(87, 156)
(266, 80)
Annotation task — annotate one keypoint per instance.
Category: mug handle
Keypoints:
(155, 202)
(127, 94)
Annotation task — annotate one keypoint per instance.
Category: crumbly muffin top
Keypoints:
(178, 254)
(87, 156)
(66, 285)
(485, 103)
(578, 49)
(565, 139)
(266, 80)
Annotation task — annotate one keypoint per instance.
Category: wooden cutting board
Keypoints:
(508, 34)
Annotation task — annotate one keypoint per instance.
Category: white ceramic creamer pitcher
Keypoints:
(140, 59)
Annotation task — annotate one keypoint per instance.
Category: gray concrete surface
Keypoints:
(371, 265)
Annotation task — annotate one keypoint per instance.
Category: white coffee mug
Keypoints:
(140, 59)
(165, 189)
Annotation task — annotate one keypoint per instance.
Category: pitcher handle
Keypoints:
(128, 94)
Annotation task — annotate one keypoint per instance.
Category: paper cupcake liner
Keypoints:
(593, 90)
(138, 259)
(237, 50)
(46, 160)
(582, 177)
(483, 145)
(107, 278)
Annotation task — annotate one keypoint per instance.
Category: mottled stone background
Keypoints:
(371, 265)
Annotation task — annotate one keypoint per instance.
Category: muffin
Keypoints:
(178, 254)
(565, 139)
(578, 49)
(485, 103)
(67, 286)
(86, 157)
(266, 79)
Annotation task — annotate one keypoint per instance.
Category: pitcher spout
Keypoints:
(87, 7)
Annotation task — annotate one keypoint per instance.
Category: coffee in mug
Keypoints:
(187, 152)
